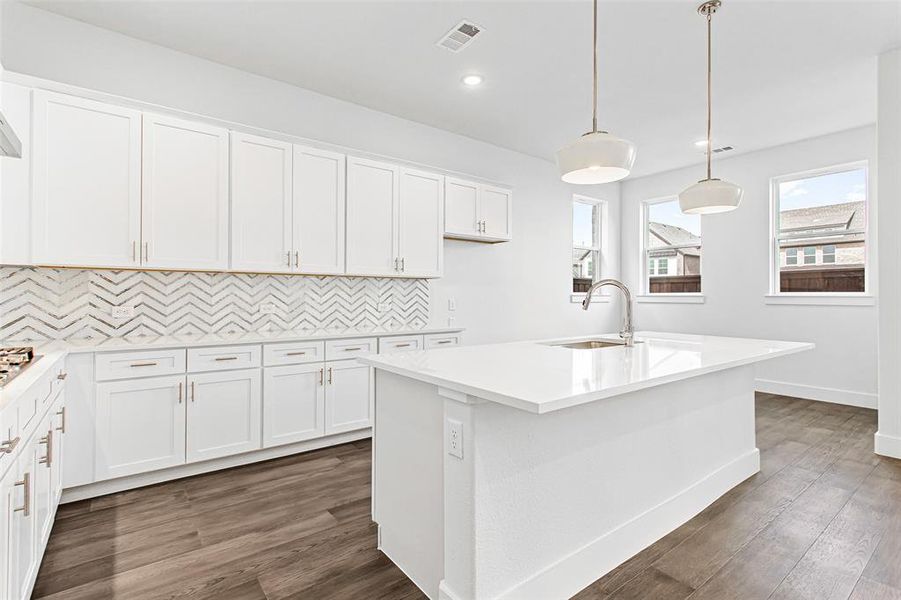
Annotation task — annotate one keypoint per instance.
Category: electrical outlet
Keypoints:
(123, 312)
(455, 438)
(267, 308)
(451, 321)
(384, 306)
(451, 304)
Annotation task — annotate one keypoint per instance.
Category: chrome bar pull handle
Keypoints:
(403, 264)
(47, 440)
(25, 509)
(179, 392)
(192, 391)
(296, 259)
(223, 358)
(321, 373)
(330, 376)
(288, 253)
(62, 423)
(146, 364)
(62, 375)
(8, 446)
(146, 250)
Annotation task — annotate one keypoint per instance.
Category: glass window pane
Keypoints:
(584, 269)
(584, 220)
(674, 245)
(827, 214)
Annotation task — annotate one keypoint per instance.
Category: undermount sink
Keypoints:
(590, 344)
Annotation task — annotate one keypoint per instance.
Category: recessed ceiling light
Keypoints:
(701, 143)
(472, 80)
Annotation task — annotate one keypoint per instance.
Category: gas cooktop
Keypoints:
(15, 360)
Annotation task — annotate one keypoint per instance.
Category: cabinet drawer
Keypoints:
(221, 358)
(403, 343)
(339, 349)
(441, 340)
(146, 363)
(293, 353)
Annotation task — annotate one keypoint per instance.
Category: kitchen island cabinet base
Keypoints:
(542, 505)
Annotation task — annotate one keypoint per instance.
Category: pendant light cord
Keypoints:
(594, 104)
(709, 71)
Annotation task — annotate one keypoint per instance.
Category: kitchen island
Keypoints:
(530, 469)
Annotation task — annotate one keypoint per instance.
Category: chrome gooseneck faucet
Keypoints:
(628, 333)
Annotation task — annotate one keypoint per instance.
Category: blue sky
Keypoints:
(834, 188)
(668, 212)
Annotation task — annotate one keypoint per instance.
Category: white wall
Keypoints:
(735, 273)
(507, 291)
(888, 439)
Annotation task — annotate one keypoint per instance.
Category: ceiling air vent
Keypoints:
(723, 149)
(460, 36)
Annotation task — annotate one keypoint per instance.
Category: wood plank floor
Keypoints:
(821, 520)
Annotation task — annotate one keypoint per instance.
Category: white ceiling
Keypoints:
(784, 70)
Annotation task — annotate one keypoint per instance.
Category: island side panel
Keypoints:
(408, 488)
(560, 499)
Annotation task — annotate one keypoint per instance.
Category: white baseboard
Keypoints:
(572, 573)
(113, 486)
(888, 445)
(823, 394)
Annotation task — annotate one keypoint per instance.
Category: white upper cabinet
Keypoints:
(185, 195)
(461, 208)
(496, 212)
(421, 224)
(86, 177)
(260, 204)
(372, 190)
(475, 211)
(318, 211)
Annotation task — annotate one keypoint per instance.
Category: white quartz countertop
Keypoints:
(32, 374)
(144, 342)
(540, 378)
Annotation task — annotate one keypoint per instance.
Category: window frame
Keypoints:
(645, 294)
(599, 246)
(775, 296)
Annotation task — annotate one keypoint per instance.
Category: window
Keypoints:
(791, 256)
(672, 248)
(810, 255)
(820, 231)
(586, 242)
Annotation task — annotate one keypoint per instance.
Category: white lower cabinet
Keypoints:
(43, 481)
(22, 521)
(293, 404)
(223, 413)
(348, 396)
(140, 426)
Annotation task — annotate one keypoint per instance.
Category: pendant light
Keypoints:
(597, 156)
(709, 195)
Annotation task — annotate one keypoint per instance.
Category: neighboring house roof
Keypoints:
(671, 235)
(829, 221)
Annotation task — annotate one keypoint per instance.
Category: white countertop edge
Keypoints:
(30, 376)
(567, 402)
(208, 340)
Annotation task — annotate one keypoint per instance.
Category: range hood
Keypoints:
(9, 141)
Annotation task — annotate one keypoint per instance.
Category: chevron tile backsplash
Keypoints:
(53, 304)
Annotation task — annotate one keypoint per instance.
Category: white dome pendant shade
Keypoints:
(710, 195)
(597, 156)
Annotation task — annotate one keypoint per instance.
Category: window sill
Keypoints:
(815, 299)
(578, 298)
(671, 298)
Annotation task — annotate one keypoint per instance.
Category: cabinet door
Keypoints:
(293, 404)
(495, 208)
(371, 222)
(421, 223)
(260, 204)
(461, 207)
(223, 413)
(348, 396)
(184, 210)
(86, 177)
(8, 539)
(58, 426)
(319, 198)
(140, 426)
(23, 530)
(43, 480)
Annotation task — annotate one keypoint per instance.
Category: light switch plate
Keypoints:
(451, 304)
